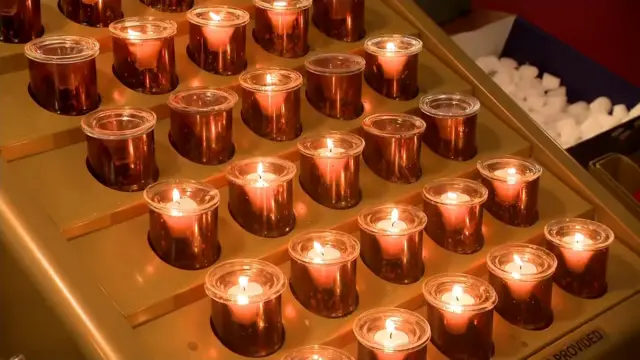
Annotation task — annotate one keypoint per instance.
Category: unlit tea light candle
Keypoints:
(582, 249)
(342, 20)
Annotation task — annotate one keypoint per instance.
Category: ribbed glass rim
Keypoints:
(278, 5)
(455, 184)
(377, 45)
(145, 117)
(353, 64)
(544, 256)
(485, 295)
(289, 79)
(85, 49)
(212, 287)
(471, 104)
(421, 326)
(175, 99)
(533, 170)
(369, 121)
(234, 174)
(554, 232)
(324, 237)
(231, 16)
(212, 202)
(355, 144)
(161, 28)
(319, 351)
(419, 217)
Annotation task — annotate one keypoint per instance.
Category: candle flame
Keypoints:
(391, 46)
(457, 292)
(243, 281)
(390, 325)
(133, 32)
(260, 170)
(280, 3)
(269, 79)
(579, 238)
(318, 247)
(511, 178)
(176, 195)
(394, 216)
(452, 196)
(330, 145)
(215, 17)
(517, 260)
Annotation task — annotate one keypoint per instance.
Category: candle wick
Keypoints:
(322, 252)
(390, 335)
(259, 176)
(393, 223)
(244, 289)
(457, 298)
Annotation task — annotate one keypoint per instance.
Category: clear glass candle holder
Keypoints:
(513, 185)
(391, 242)
(323, 272)
(217, 38)
(169, 5)
(62, 73)
(144, 54)
(183, 223)
(454, 210)
(330, 168)
(392, 146)
(391, 334)
(282, 27)
(341, 20)
(261, 195)
(334, 85)
(392, 65)
(202, 124)
(522, 274)
(246, 306)
(95, 13)
(20, 21)
(452, 120)
(460, 313)
(121, 147)
(317, 352)
(271, 103)
(582, 249)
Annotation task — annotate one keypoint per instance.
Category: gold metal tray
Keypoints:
(84, 246)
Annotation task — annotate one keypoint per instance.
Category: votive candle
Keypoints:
(282, 26)
(169, 5)
(392, 65)
(20, 21)
(340, 19)
(95, 13)
(317, 352)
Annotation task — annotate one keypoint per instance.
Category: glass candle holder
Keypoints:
(144, 54)
(169, 5)
(330, 168)
(96, 13)
(392, 65)
(282, 27)
(521, 275)
(513, 185)
(317, 352)
(183, 223)
(20, 21)
(217, 39)
(452, 120)
(391, 334)
(261, 195)
(121, 147)
(323, 272)
(271, 103)
(202, 124)
(392, 146)
(454, 210)
(582, 249)
(460, 313)
(62, 73)
(391, 242)
(341, 20)
(246, 306)
(334, 85)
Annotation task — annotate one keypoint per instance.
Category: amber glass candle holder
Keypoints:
(392, 146)
(202, 124)
(341, 20)
(261, 195)
(183, 223)
(62, 73)
(121, 147)
(392, 65)
(271, 103)
(391, 242)
(334, 85)
(330, 168)
(144, 54)
(282, 27)
(317, 352)
(582, 249)
(460, 313)
(169, 5)
(454, 210)
(391, 334)
(246, 306)
(96, 13)
(513, 185)
(323, 272)
(217, 39)
(452, 122)
(521, 274)
(20, 21)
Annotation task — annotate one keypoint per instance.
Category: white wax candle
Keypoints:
(217, 37)
(389, 337)
(454, 197)
(270, 102)
(321, 253)
(145, 51)
(392, 246)
(330, 149)
(392, 224)
(454, 217)
(457, 297)
(519, 289)
(323, 275)
(242, 311)
(329, 165)
(508, 188)
(262, 176)
(391, 62)
(260, 194)
(179, 221)
(282, 20)
(576, 257)
(455, 320)
(180, 203)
